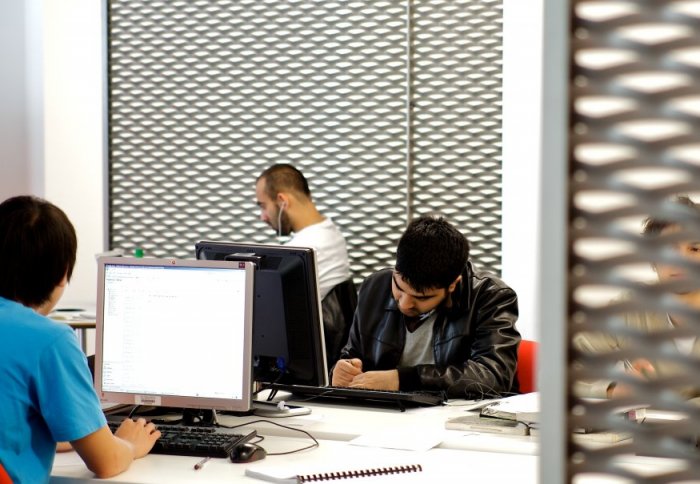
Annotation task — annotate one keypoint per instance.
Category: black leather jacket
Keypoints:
(474, 342)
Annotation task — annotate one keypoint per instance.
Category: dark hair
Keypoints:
(37, 248)
(283, 177)
(431, 253)
(654, 226)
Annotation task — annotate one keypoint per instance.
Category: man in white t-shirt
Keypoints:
(285, 203)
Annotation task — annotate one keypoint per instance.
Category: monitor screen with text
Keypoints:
(174, 333)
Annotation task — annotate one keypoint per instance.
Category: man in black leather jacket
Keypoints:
(432, 323)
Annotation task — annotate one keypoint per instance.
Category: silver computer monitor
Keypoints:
(174, 333)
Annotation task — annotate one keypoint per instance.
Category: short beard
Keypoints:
(285, 226)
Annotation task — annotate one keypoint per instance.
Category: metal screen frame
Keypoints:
(630, 150)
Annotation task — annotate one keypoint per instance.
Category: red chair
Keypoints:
(526, 371)
(4, 477)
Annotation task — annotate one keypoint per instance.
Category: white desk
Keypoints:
(333, 421)
(439, 465)
(495, 458)
(460, 456)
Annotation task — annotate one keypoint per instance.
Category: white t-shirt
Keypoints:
(684, 345)
(332, 263)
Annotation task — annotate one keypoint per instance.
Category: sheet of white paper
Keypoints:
(523, 403)
(410, 440)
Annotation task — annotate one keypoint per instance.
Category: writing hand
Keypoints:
(345, 371)
(642, 368)
(377, 380)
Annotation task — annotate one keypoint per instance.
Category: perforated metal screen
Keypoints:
(634, 150)
(457, 127)
(203, 95)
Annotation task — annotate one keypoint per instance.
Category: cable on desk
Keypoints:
(315, 444)
(481, 391)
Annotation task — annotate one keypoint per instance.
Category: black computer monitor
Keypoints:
(288, 342)
(174, 333)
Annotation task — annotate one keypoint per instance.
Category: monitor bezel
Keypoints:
(309, 254)
(181, 401)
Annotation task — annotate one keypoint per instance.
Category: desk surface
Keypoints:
(439, 465)
(335, 425)
(478, 457)
(334, 421)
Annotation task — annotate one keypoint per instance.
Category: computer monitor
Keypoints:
(174, 333)
(288, 342)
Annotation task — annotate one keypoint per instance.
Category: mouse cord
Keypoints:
(311, 446)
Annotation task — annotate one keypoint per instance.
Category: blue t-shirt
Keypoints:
(46, 393)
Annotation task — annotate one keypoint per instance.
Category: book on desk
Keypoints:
(514, 415)
(480, 423)
(520, 415)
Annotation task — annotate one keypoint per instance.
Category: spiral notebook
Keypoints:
(275, 474)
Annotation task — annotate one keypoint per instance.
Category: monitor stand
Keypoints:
(208, 418)
(199, 417)
(280, 409)
(196, 417)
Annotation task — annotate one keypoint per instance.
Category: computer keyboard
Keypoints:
(194, 441)
(361, 395)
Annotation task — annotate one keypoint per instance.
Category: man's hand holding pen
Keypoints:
(640, 368)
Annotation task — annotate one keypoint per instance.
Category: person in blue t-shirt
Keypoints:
(47, 394)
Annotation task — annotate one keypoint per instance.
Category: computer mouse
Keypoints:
(244, 453)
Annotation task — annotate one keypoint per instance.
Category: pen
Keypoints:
(201, 463)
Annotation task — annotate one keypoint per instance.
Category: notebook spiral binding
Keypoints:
(327, 476)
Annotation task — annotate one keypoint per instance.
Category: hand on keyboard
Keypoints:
(140, 434)
(192, 440)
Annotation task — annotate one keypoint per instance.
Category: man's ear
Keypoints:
(282, 200)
